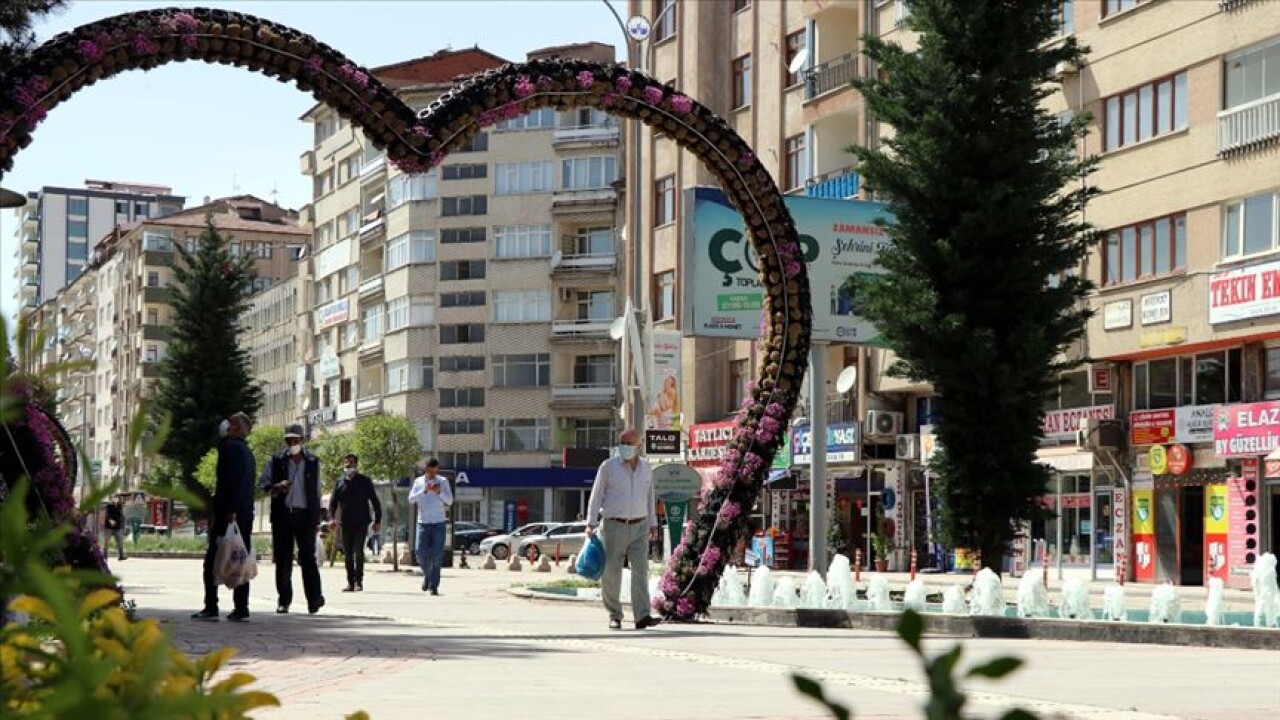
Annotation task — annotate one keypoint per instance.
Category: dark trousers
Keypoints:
(240, 595)
(287, 531)
(353, 552)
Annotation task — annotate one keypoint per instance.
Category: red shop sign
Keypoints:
(1152, 427)
(1179, 459)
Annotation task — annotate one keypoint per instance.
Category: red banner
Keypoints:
(1152, 427)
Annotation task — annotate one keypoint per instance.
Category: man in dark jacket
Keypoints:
(232, 503)
(292, 476)
(351, 499)
(115, 526)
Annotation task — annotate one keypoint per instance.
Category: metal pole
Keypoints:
(818, 466)
(1093, 527)
(1059, 513)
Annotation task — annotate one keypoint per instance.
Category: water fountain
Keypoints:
(988, 594)
(814, 594)
(1166, 605)
(761, 593)
(624, 595)
(1266, 593)
(1213, 607)
(841, 592)
(1075, 600)
(1113, 604)
(878, 594)
(914, 596)
(1033, 596)
(953, 602)
(729, 593)
(784, 593)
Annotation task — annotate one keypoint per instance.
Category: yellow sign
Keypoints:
(1215, 509)
(1158, 460)
(1164, 336)
(1144, 521)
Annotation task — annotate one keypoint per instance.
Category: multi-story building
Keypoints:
(58, 226)
(276, 333)
(1184, 103)
(474, 300)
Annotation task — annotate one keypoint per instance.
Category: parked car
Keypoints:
(467, 535)
(566, 539)
(500, 546)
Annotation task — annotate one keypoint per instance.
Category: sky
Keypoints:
(216, 130)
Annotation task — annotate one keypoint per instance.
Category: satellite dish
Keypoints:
(847, 378)
(618, 328)
(556, 257)
(798, 62)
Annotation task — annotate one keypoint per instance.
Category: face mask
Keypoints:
(627, 452)
(223, 427)
(295, 449)
(349, 471)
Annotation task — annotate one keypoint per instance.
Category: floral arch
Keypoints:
(416, 142)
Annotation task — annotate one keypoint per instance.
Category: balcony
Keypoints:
(593, 135)
(585, 329)
(155, 332)
(831, 76)
(839, 184)
(373, 169)
(1249, 126)
(593, 263)
(157, 258)
(370, 229)
(307, 163)
(30, 243)
(370, 348)
(155, 294)
(150, 370)
(29, 289)
(370, 287)
(577, 395)
(368, 406)
(588, 200)
(30, 266)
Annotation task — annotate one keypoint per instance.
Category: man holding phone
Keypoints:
(433, 496)
(292, 477)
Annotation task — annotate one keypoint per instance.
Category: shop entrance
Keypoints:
(1273, 519)
(1191, 536)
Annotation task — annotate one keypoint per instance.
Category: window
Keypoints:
(465, 205)
(153, 279)
(460, 334)
(796, 44)
(462, 363)
(77, 251)
(739, 376)
(793, 172)
(122, 207)
(1073, 392)
(78, 229)
(461, 397)
(461, 427)
(1271, 381)
(417, 246)
(1066, 14)
(664, 295)
(153, 353)
(469, 171)
(1150, 248)
(469, 298)
(521, 435)
(371, 318)
(153, 316)
(540, 119)
(593, 242)
(665, 24)
(348, 222)
(593, 433)
(78, 206)
(141, 209)
(1111, 7)
(741, 72)
(664, 200)
(518, 178)
(520, 241)
(407, 312)
(594, 370)
(586, 117)
(451, 236)
(588, 173)
(596, 305)
(522, 306)
(479, 143)
(1252, 75)
(403, 189)
(412, 374)
(462, 270)
(1145, 112)
(1204, 379)
(461, 459)
(234, 249)
(1249, 226)
(370, 155)
(521, 370)
(741, 5)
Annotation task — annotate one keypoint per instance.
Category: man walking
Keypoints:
(115, 526)
(292, 476)
(433, 496)
(232, 503)
(623, 494)
(351, 499)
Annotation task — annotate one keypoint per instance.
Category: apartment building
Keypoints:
(58, 226)
(276, 334)
(474, 300)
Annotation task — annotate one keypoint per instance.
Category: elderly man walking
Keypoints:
(292, 476)
(623, 495)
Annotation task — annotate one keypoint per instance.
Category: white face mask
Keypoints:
(627, 452)
(223, 427)
(349, 471)
(295, 449)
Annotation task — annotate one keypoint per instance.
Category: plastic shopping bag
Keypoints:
(229, 563)
(590, 564)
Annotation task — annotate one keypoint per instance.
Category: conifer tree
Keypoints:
(981, 298)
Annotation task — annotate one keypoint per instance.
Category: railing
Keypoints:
(831, 75)
(155, 332)
(155, 294)
(573, 261)
(1248, 126)
(583, 196)
(581, 328)
(368, 406)
(837, 184)
(367, 229)
(370, 286)
(595, 132)
(370, 167)
(584, 393)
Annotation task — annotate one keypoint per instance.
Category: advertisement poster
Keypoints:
(1144, 534)
(663, 411)
(1246, 430)
(1152, 427)
(723, 295)
(1239, 537)
(1215, 531)
(844, 444)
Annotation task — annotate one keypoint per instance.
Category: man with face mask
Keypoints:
(292, 476)
(623, 495)
(232, 503)
(351, 499)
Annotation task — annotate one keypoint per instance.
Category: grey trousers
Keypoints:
(629, 542)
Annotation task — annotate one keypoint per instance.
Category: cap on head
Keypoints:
(293, 431)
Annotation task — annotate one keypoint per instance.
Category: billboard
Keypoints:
(722, 293)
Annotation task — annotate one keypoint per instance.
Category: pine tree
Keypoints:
(205, 373)
(986, 192)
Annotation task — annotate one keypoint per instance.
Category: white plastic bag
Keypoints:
(232, 557)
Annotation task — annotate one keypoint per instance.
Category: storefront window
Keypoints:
(1271, 381)
(1211, 379)
(1203, 379)
(1075, 518)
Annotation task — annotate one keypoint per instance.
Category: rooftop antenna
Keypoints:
(275, 193)
(235, 184)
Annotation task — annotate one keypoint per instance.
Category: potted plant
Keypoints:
(881, 546)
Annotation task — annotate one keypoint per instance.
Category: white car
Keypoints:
(500, 546)
(565, 539)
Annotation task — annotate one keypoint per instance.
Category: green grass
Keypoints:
(566, 583)
(162, 543)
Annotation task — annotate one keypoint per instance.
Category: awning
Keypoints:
(1071, 460)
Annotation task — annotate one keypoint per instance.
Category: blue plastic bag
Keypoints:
(590, 565)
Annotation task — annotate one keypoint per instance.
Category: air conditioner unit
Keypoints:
(907, 447)
(882, 423)
(1096, 434)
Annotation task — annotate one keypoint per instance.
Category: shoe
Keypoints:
(206, 614)
(282, 609)
(424, 586)
(359, 587)
(647, 621)
(349, 588)
(435, 592)
(615, 624)
(238, 615)
(313, 609)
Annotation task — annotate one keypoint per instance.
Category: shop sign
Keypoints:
(1158, 460)
(661, 442)
(332, 314)
(707, 441)
(1241, 534)
(674, 482)
(1244, 293)
(1216, 526)
(328, 366)
(1155, 308)
(1119, 529)
(1171, 335)
(1195, 424)
(844, 443)
(1144, 532)
(1247, 430)
(1117, 315)
(1152, 427)
(1099, 378)
(1063, 424)
(1179, 459)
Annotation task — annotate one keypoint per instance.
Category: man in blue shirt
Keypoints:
(433, 496)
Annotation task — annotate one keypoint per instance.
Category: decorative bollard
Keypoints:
(544, 565)
(857, 565)
(462, 562)
(914, 559)
(488, 563)
(514, 565)
(571, 565)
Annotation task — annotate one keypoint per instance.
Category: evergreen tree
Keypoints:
(205, 373)
(986, 192)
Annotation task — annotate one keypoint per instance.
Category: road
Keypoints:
(476, 651)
